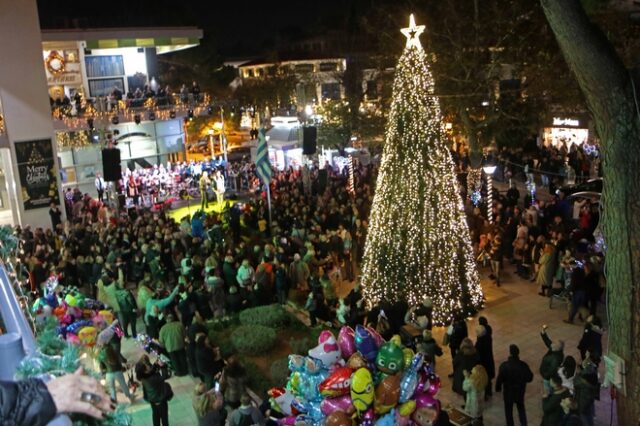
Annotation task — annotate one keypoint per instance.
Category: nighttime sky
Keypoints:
(235, 27)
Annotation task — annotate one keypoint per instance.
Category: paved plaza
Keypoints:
(515, 312)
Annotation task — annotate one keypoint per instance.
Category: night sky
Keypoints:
(232, 27)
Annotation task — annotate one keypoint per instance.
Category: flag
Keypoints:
(263, 167)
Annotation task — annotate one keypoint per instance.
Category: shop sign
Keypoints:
(566, 122)
(38, 180)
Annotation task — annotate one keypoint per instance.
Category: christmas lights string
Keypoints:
(418, 243)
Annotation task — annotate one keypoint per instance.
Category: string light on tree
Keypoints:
(418, 243)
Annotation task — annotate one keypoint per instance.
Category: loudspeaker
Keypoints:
(309, 140)
(322, 180)
(111, 164)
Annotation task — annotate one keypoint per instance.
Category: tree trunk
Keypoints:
(609, 92)
(471, 130)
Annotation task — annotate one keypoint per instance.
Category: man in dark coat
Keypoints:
(484, 347)
(514, 375)
(552, 360)
(457, 332)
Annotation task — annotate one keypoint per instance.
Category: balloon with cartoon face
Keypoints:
(362, 391)
(390, 358)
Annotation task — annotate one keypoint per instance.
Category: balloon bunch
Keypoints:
(79, 319)
(357, 379)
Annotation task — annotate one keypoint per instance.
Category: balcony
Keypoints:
(101, 113)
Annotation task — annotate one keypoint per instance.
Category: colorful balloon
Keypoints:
(356, 361)
(376, 336)
(327, 350)
(367, 418)
(281, 400)
(346, 341)
(425, 416)
(296, 363)
(390, 358)
(73, 328)
(365, 343)
(434, 385)
(407, 408)
(426, 400)
(387, 394)
(338, 383)
(362, 391)
(388, 419)
(340, 403)
(409, 380)
(71, 300)
(338, 418)
(87, 335)
(408, 356)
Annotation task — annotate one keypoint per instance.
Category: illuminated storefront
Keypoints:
(566, 131)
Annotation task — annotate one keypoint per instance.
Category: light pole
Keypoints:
(488, 170)
(211, 142)
(223, 139)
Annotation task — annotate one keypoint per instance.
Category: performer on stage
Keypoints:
(204, 183)
(220, 189)
(100, 186)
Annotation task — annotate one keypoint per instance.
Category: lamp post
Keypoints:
(223, 139)
(211, 142)
(488, 170)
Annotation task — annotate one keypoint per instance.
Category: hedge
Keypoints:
(253, 340)
(269, 316)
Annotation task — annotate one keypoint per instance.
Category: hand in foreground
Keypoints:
(67, 393)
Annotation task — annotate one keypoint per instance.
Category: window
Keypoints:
(104, 66)
(331, 91)
(372, 89)
(104, 86)
(328, 66)
(304, 68)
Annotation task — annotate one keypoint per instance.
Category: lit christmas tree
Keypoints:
(418, 243)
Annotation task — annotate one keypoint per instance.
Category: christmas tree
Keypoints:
(418, 243)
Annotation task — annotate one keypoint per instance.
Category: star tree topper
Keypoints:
(413, 33)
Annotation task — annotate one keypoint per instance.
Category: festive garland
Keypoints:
(55, 358)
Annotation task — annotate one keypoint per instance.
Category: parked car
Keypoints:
(592, 185)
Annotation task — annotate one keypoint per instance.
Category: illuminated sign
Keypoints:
(565, 122)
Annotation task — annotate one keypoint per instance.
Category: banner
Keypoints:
(38, 180)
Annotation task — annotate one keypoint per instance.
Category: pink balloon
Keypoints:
(368, 417)
(339, 403)
(72, 338)
(346, 341)
(376, 336)
(401, 420)
(426, 400)
(434, 385)
(288, 421)
(423, 382)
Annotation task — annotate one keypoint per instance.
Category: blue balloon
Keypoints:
(388, 419)
(76, 326)
(365, 343)
(409, 380)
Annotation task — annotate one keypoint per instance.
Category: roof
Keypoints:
(165, 38)
(290, 59)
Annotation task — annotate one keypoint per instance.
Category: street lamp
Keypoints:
(488, 170)
(211, 142)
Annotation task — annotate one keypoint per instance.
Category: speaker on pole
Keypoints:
(309, 140)
(111, 164)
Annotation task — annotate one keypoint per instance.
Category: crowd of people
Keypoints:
(170, 278)
(77, 104)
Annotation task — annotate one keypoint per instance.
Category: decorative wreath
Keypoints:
(55, 63)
